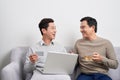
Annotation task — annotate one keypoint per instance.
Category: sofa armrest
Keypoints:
(11, 72)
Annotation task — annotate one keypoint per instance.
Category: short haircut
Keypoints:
(90, 21)
(44, 23)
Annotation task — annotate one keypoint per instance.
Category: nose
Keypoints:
(55, 30)
(81, 30)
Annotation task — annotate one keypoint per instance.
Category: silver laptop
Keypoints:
(59, 63)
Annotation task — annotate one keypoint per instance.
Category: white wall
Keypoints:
(19, 21)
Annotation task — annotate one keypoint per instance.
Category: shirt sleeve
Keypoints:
(75, 48)
(28, 65)
(110, 59)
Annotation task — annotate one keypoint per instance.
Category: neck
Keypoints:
(92, 37)
(46, 40)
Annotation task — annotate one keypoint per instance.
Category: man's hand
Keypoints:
(33, 57)
(96, 57)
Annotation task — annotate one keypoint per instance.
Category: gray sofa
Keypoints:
(14, 70)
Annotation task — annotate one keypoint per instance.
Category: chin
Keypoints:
(53, 38)
(84, 36)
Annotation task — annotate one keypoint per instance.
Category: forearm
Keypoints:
(111, 63)
(29, 67)
(110, 59)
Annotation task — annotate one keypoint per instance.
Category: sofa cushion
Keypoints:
(11, 72)
(115, 73)
(18, 54)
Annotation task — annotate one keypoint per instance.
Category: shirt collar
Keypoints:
(42, 43)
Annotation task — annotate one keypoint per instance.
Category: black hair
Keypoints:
(44, 23)
(90, 21)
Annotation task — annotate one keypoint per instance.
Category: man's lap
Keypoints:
(39, 76)
(94, 76)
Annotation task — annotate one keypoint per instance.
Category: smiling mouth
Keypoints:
(53, 34)
(83, 32)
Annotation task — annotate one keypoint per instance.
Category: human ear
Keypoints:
(44, 31)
